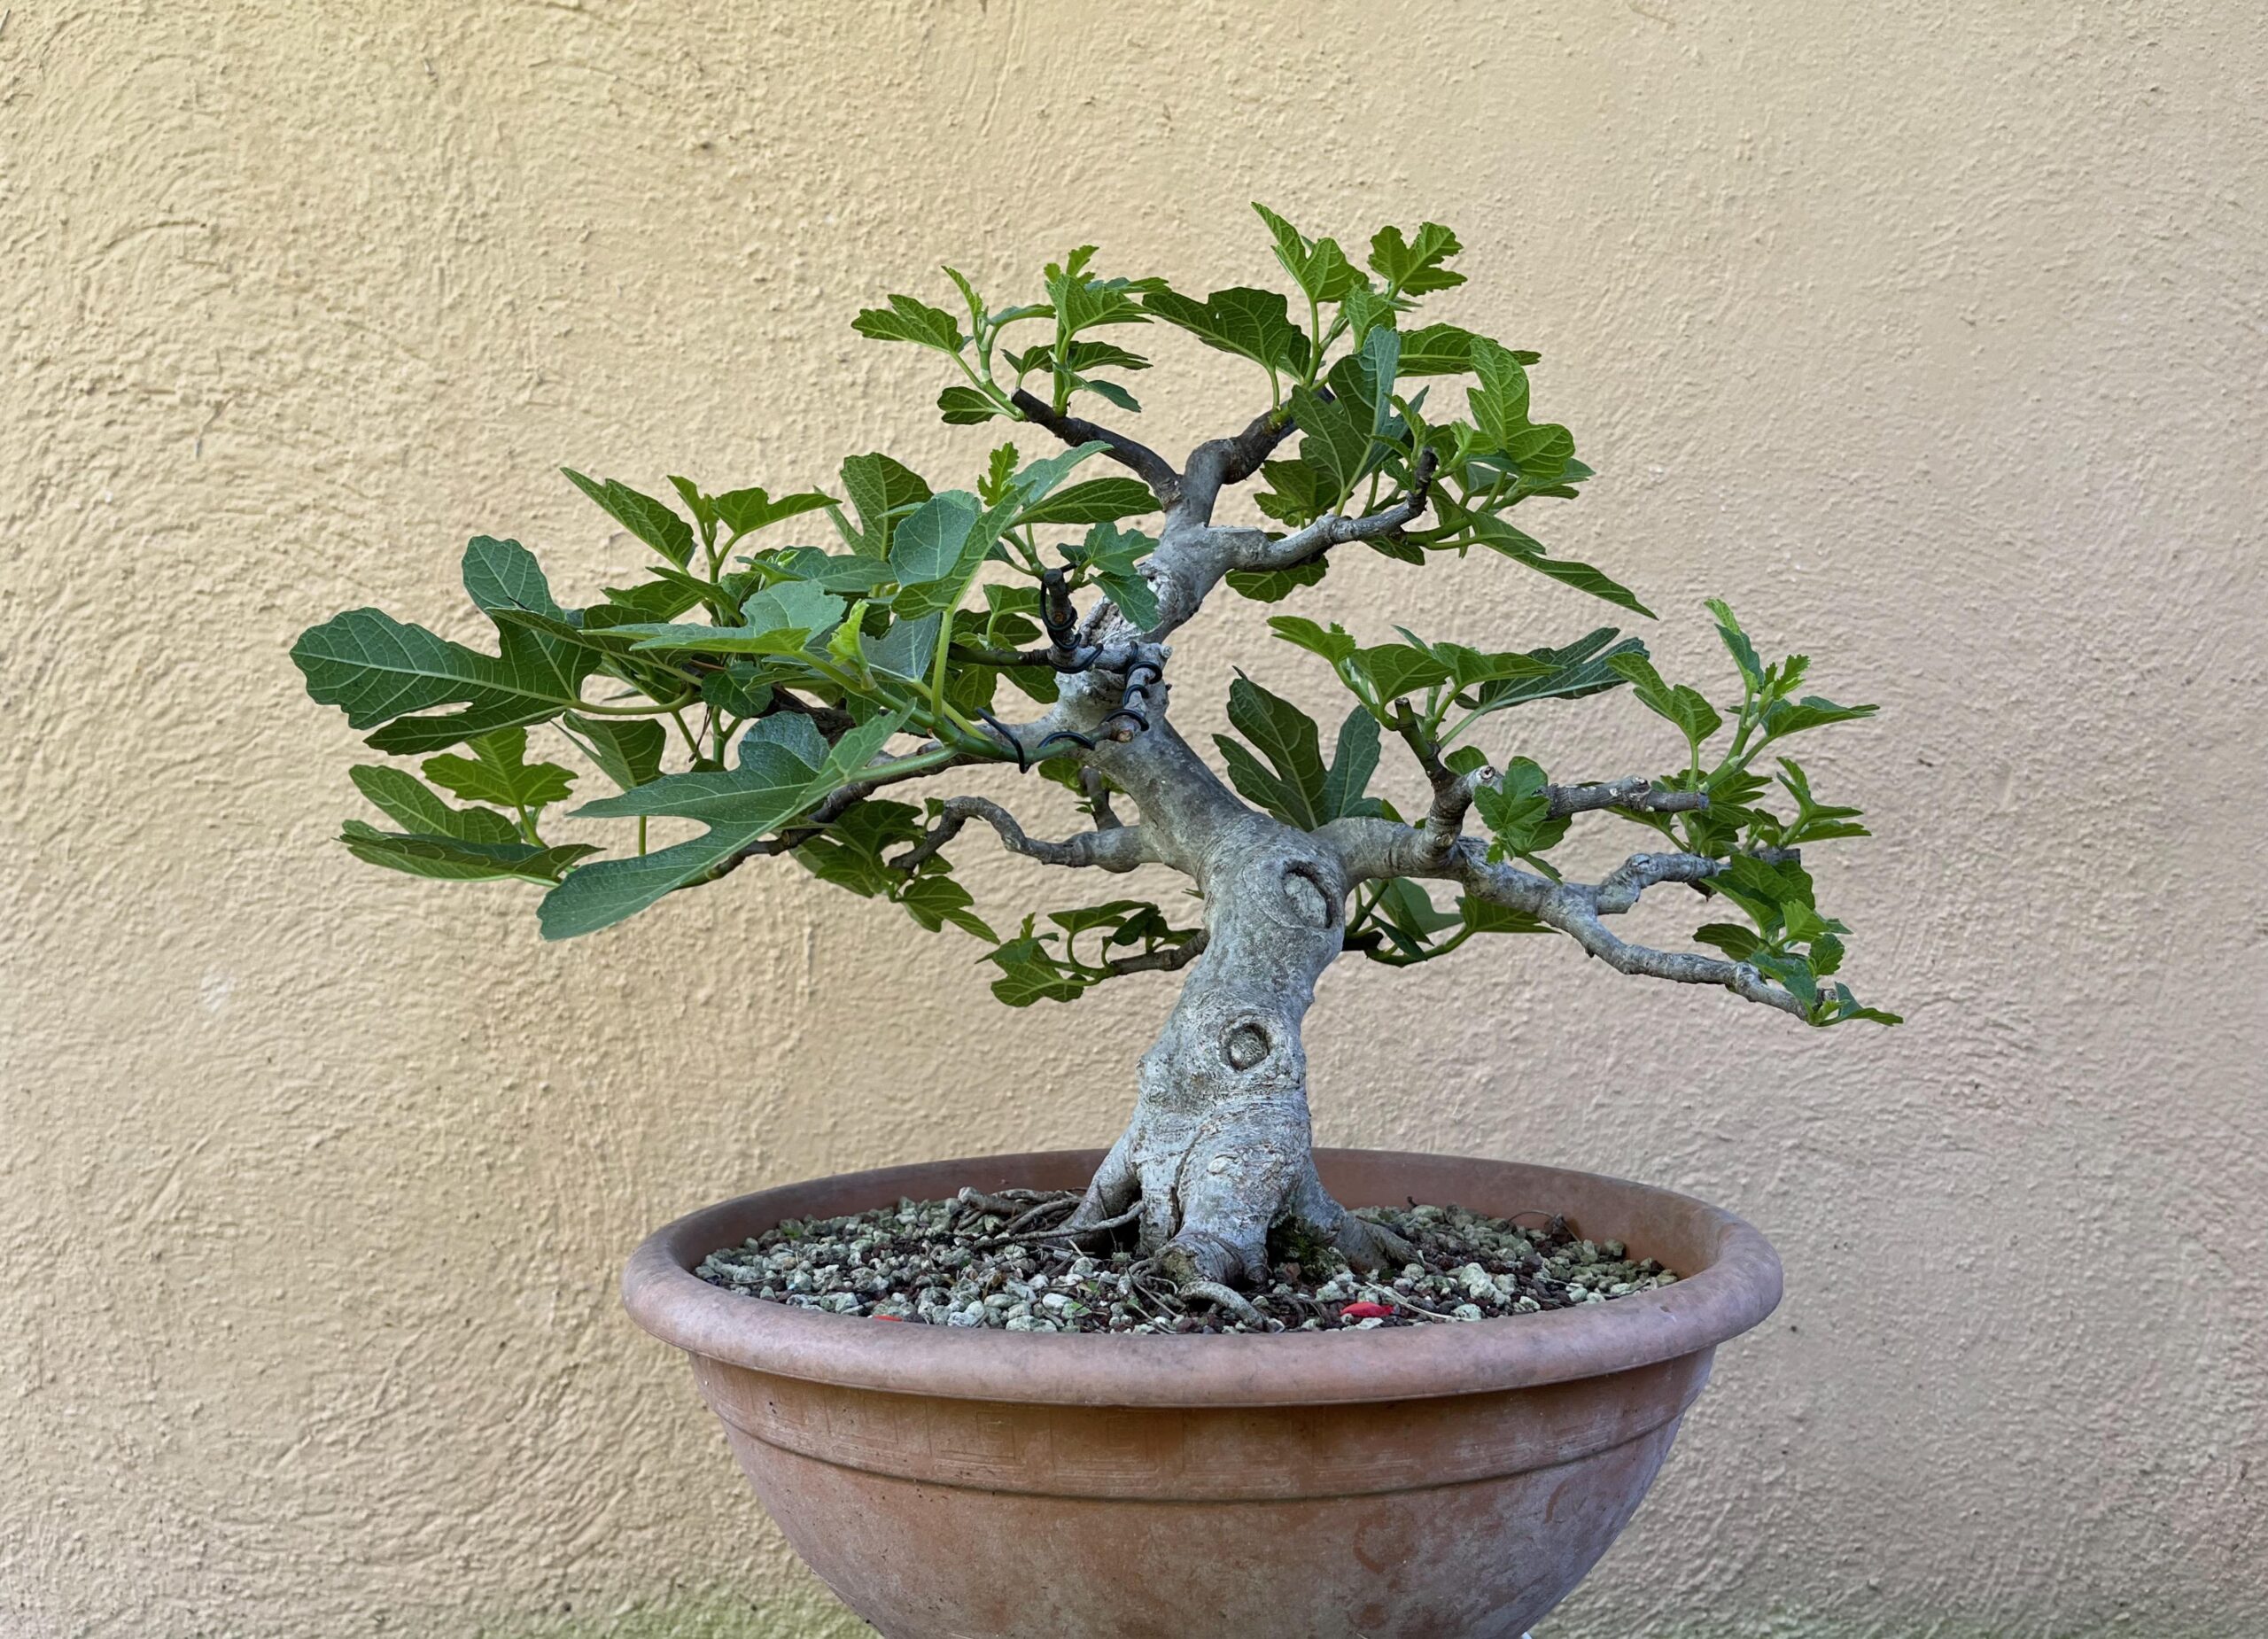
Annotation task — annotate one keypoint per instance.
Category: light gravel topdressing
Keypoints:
(951, 1263)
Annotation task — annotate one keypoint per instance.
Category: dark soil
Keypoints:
(993, 1261)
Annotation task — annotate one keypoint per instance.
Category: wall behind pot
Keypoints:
(1932, 341)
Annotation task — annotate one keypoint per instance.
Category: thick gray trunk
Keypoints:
(1218, 1150)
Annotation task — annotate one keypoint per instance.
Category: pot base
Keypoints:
(1412, 1483)
(945, 1518)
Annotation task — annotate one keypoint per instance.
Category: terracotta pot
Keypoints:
(1434, 1481)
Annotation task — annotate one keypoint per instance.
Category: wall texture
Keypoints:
(1930, 335)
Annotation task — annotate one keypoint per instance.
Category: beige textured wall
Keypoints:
(1931, 335)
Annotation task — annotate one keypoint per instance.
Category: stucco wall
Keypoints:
(1930, 335)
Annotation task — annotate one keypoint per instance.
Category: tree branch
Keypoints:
(1117, 849)
(1023, 740)
(1096, 790)
(1453, 792)
(1192, 556)
(1146, 464)
(1445, 820)
(1218, 462)
(1679, 967)
(1372, 849)
(1619, 889)
(1327, 533)
(1634, 792)
(1141, 702)
(1165, 959)
(832, 723)
(1085, 657)
(1142, 665)
(1453, 796)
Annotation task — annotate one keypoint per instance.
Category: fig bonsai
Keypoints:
(786, 698)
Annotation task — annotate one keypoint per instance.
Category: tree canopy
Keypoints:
(789, 661)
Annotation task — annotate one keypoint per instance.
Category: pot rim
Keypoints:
(1732, 1291)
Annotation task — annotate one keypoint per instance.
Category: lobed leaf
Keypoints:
(415, 807)
(1494, 533)
(1792, 717)
(1111, 557)
(1096, 501)
(908, 319)
(882, 491)
(928, 544)
(960, 405)
(1499, 403)
(1469, 668)
(1683, 706)
(1296, 494)
(1036, 480)
(641, 515)
(1318, 267)
(1083, 304)
(1028, 974)
(850, 852)
(1392, 670)
(1438, 350)
(662, 599)
(782, 619)
(627, 749)
(1335, 645)
(1080, 356)
(745, 512)
(451, 858)
(1583, 667)
(379, 669)
(1294, 784)
(1331, 441)
(939, 553)
(846, 574)
(1253, 324)
(935, 899)
(1516, 810)
(1273, 585)
(785, 770)
(1484, 916)
(1363, 382)
(1415, 268)
(1737, 643)
(1354, 760)
(498, 772)
(1406, 913)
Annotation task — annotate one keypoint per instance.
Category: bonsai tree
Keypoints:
(801, 690)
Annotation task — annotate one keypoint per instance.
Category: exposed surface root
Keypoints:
(1077, 1231)
(1009, 1203)
(1059, 1206)
(1225, 1297)
(1370, 1245)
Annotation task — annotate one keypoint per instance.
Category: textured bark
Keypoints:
(1218, 1150)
